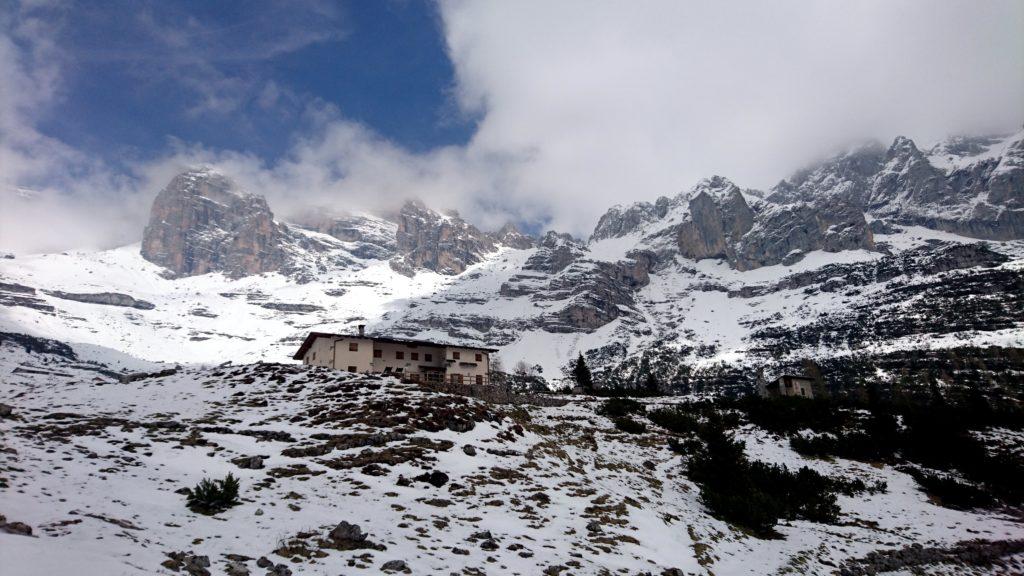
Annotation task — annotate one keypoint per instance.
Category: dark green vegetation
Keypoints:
(934, 437)
(629, 425)
(751, 494)
(619, 407)
(582, 376)
(213, 496)
(908, 373)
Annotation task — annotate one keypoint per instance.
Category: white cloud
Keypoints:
(581, 105)
(615, 102)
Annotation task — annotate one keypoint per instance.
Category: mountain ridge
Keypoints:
(716, 273)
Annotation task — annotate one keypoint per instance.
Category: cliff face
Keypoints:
(972, 186)
(718, 219)
(444, 243)
(715, 220)
(202, 222)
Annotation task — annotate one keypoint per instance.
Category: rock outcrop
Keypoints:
(848, 175)
(718, 219)
(619, 221)
(368, 237)
(556, 252)
(444, 243)
(510, 236)
(715, 220)
(785, 233)
(202, 222)
(104, 298)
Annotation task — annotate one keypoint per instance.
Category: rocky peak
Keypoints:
(366, 236)
(964, 146)
(619, 221)
(715, 187)
(444, 243)
(203, 222)
(510, 236)
(555, 252)
(847, 175)
(907, 178)
(718, 217)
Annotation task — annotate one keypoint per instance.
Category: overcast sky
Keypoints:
(544, 113)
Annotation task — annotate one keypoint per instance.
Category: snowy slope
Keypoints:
(211, 318)
(93, 466)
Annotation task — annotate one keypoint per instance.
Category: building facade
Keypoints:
(415, 360)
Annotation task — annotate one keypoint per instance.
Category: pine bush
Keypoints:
(213, 496)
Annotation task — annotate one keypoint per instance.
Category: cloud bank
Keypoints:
(581, 105)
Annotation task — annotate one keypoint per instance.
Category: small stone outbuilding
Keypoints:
(789, 385)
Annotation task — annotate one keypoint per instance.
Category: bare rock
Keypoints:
(395, 566)
(248, 462)
(443, 243)
(346, 533)
(435, 478)
(202, 222)
(19, 528)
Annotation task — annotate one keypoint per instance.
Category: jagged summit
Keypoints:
(444, 243)
(203, 222)
(509, 235)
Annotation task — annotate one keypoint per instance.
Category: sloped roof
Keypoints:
(314, 335)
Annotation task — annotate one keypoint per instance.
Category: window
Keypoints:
(378, 353)
(399, 355)
(455, 355)
(314, 356)
(479, 357)
(456, 378)
(479, 377)
(352, 369)
(353, 346)
(415, 355)
(428, 357)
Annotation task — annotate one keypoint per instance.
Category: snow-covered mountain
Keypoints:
(874, 251)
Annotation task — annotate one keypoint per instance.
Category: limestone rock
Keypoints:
(444, 243)
(510, 236)
(104, 298)
(202, 222)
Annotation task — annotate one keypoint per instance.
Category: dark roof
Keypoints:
(314, 335)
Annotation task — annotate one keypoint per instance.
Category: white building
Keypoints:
(415, 360)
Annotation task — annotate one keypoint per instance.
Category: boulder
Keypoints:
(346, 533)
(395, 566)
(248, 462)
(435, 478)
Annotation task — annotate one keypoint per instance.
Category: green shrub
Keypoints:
(213, 496)
(619, 407)
(756, 495)
(792, 413)
(627, 424)
(674, 420)
(951, 492)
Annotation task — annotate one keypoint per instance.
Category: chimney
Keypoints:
(362, 329)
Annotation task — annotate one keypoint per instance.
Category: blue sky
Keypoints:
(537, 112)
(239, 75)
